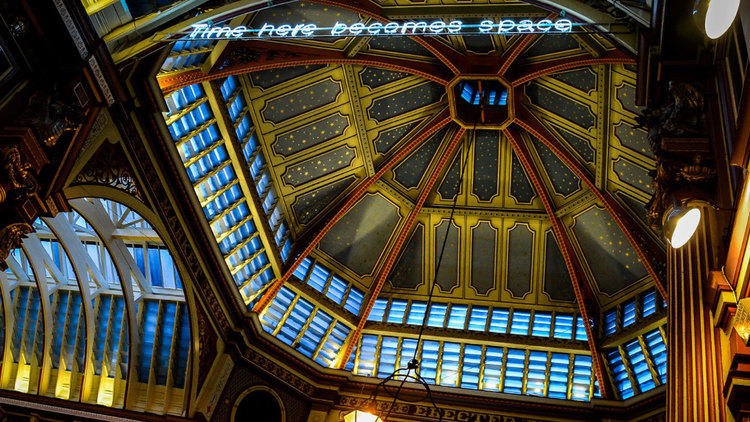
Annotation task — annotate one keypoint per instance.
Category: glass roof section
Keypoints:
(93, 296)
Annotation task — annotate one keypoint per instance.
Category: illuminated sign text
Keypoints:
(340, 29)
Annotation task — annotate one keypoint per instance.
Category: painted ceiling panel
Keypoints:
(301, 101)
(638, 207)
(374, 78)
(613, 263)
(520, 186)
(583, 79)
(561, 105)
(450, 187)
(563, 180)
(557, 283)
(358, 239)
(402, 45)
(310, 135)
(386, 139)
(319, 166)
(408, 272)
(270, 77)
(447, 276)
(579, 144)
(404, 101)
(520, 260)
(549, 45)
(632, 174)
(633, 138)
(307, 206)
(483, 255)
(486, 164)
(413, 168)
(306, 12)
(626, 96)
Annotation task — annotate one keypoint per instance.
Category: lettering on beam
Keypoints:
(205, 31)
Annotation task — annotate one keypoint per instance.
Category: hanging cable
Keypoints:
(413, 364)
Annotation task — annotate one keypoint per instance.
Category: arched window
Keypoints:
(93, 310)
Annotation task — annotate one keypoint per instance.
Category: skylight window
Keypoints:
(428, 363)
(628, 313)
(542, 324)
(581, 378)
(514, 369)
(378, 310)
(416, 313)
(388, 349)
(336, 290)
(437, 315)
(367, 355)
(610, 322)
(318, 278)
(558, 376)
(499, 321)
(563, 326)
(537, 373)
(471, 363)
(457, 317)
(493, 369)
(478, 318)
(314, 333)
(354, 301)
(620, 374)
(658, 351)
(408, 347)
(649, 303)
(450, 364)
(640, 367)
(520, 324)
(397, 312)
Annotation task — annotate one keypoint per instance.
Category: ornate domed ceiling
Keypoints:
(353, 149)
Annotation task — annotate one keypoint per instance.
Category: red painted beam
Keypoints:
(273, 55)
(445, 157)
(536, 70)
(531, 124)
(435, 124)
(448, 56)
(582, 290)
(518, 47)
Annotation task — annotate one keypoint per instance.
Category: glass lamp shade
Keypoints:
(714, 17)
(680, 225)
(361, 416)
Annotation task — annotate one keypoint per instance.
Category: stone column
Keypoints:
(694, 364)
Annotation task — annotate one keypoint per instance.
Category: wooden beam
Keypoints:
(444, 159)
(526, 120)
(582, 290)
(436, 123)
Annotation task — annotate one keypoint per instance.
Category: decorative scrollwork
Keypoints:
(678, 139)
(19, 174)
(10, 238)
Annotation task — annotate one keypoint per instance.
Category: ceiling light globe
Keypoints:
(716, 16)
(681, 225)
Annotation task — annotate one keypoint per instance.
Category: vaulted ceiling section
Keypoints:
(351, 151)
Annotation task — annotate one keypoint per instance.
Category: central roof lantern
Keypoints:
(480, 101)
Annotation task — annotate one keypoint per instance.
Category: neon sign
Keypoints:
(339, 29)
